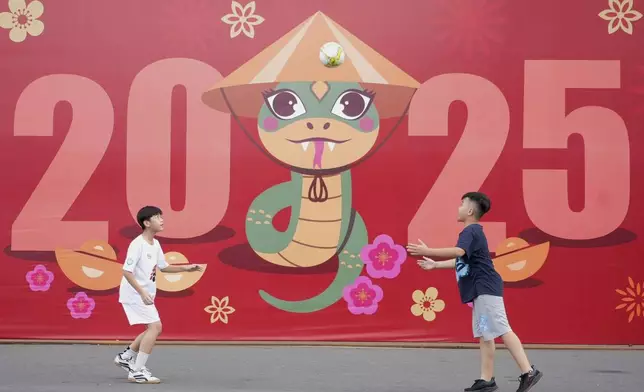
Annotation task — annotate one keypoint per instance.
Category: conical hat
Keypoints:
(295, 58)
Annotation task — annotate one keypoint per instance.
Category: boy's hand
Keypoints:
(192, 267)
(147, 298)
(427, 264)
(417, 250)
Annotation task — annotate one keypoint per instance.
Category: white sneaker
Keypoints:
(124, 363)
(142, 376)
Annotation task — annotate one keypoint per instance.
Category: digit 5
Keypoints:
(606, 148)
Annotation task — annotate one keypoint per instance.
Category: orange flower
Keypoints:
(632, 299)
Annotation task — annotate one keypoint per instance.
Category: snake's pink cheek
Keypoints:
(366, 124)
(270, 124)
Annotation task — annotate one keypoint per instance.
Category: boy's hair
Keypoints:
(146, 213)
(480, 200)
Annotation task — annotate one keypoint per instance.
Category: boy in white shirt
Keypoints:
(138, 290)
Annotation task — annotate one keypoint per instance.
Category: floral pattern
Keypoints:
(632, 299)
(81, 306)
(362, 296)
(219, 309)
(243, 19)
(39, 278)
(620, 16)
(383, 258)
(22, 19)
(427, 304)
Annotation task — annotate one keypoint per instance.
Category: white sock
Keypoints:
(129, 353)
(141, 359)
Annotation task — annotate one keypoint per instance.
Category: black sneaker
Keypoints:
(528, 380)
(483, 386)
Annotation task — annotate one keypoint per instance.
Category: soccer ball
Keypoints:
(331, 54)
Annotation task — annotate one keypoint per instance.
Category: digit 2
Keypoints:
(39, 225)
(484, 136)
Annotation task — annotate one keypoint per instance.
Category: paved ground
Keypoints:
(88, 368)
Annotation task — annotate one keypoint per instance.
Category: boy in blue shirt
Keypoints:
(478, 282)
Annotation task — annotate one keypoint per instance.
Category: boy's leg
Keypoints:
(125, 359)
(135, 345)
(487, 359)
(512, 342)
(529, 375)
(479, 327)
(148, 315)
(147, 344)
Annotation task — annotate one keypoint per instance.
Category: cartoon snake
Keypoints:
(319, 130)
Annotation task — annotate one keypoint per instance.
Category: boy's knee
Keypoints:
(156, 327)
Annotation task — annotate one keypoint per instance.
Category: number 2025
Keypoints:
(39, 226)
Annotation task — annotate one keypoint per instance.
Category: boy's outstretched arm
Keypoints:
(428, 264)
(181, 268)
(439, 253)
(445, 253)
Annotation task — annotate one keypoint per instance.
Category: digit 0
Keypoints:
(484, 136)
(606, 149)
(148, 147)
(39, 226)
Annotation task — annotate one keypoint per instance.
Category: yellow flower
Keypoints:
(23, 19)
(427, 304)
(219, 310)
(633, 299)
(621, 15)
(242, 19)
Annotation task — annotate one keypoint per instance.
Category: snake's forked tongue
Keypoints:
(319, 149)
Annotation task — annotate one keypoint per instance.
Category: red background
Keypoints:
(572, 299)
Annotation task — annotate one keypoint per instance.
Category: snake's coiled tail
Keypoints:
(349, 269)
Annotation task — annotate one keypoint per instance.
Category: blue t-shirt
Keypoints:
(475, 272)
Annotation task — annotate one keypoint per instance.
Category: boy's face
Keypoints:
(155, 224)
(465, 210)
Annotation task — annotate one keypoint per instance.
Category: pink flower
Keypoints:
(362, 296)
(39, 279)
(80, 306)
(383, 258)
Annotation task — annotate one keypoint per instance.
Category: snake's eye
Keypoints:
(285, 104)
(352, 104)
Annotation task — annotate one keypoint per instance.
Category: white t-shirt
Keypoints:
(142, 260)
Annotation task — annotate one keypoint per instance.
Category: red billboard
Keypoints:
(296, 147)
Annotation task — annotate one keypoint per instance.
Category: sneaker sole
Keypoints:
(487, 389)
(143, 382)
(536, 380)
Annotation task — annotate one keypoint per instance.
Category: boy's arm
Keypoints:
(444, 253)
(129, 276)
(439, 253)
(448, 264)
(131, 260)
(181, 268)
(167, 268)
(428, 264)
